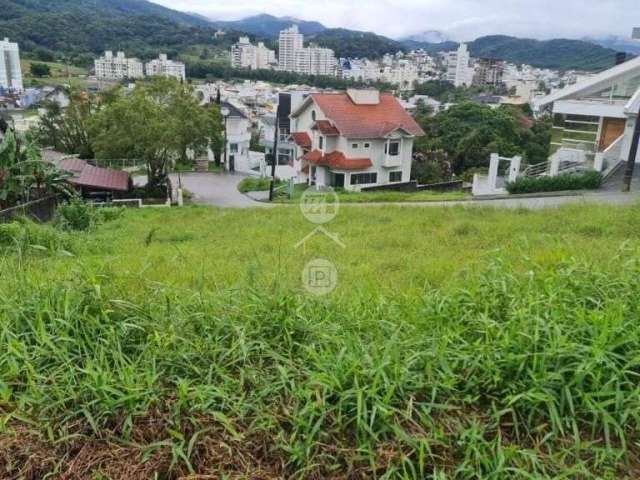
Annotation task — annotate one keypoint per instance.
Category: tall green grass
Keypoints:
(519, 368)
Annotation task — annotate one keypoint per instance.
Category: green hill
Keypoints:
(354, 44)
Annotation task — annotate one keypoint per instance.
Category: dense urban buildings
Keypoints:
(118, 67)
(488, 72)
(255, 57)
(10, 71)
(164, 67)
(290, 41)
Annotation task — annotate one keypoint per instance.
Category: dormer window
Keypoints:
(321, 143)
(313, 115)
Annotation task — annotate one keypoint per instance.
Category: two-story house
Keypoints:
(353, 139)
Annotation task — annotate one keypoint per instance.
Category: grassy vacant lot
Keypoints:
(471, 344)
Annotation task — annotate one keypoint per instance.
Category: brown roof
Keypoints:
(103, 178)
(366, 121)
(73, 165)
(326, 128)
(302, 139)
(337, 160)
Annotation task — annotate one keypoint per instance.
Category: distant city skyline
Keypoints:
(463, 20)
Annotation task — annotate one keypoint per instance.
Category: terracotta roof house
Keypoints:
(89, 179)
(353, 139)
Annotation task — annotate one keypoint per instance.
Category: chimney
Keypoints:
(364, 96)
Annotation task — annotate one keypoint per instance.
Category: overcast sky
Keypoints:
(459, 19)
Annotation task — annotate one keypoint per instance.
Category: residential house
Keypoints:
(96, 182)
(352, 139)
(238, 128)
(594, 119)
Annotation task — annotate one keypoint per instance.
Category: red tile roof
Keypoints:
(103, 178)
(366, 121)
(302, 139)
(326, 128)
(337, 160)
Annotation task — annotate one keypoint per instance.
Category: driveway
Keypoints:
(220, 189)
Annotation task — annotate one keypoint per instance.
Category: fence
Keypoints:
(41, 210)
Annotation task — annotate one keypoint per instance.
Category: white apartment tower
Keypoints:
(119, 67)
(10, 71)
(315, 61)
(458, 70)
(291, 40)
(246, 55)
(164, 67)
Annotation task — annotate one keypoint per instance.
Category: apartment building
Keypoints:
(315, 60)
(10, 70)
(459, 71)
(489, 72)
(290, 41)
(118, 67)
(164, 67)
(255, 57)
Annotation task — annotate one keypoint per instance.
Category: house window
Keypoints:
(355, 146)
(363, 178)
(313, 115)
(367, 145)
(284, 134)
(321, 143)
(284, 156)
(392, 149)
(233, 148)
(395, 176)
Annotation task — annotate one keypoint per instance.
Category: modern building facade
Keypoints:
(10, 70)
(164, 67)
(312, 60)
(353, 139)
(489, 72)
(118, 67)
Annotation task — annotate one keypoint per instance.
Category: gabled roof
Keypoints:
(302, 139)
(103, 178)
(337, 160)
(234, 112)
(72, 165)
(592, 85)
(363, 120)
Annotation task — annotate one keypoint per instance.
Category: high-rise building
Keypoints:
(119, 67)
(291, 40)
(256, 57)
(489, 72)
(10, 71)
(458, 70)
(164, 67)
(315, 61)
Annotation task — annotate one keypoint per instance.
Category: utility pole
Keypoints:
(633, 153)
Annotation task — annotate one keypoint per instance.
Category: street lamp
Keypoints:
(225, 114)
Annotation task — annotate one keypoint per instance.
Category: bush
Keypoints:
(78, 215)
(254, 184)
(24, 234)
(582, 181)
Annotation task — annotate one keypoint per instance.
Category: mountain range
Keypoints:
(79, 29)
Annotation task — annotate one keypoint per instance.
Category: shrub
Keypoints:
(254, 184)
(582, 181)
(75, 215)
(24, 234)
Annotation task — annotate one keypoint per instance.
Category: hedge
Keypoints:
(576, 181)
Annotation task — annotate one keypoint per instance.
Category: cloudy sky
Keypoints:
(459, 19)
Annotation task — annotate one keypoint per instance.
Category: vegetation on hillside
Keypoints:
(460, 344)
(354, 44)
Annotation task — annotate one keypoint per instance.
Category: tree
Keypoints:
(158, 122)
(40, 70)
(68, 130)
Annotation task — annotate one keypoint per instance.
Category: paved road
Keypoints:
(216, 189)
